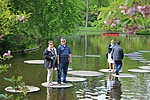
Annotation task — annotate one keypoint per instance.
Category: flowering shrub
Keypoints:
(128, 16)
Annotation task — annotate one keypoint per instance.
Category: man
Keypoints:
(117, 56)
(64, 57)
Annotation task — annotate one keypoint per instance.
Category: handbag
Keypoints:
(106, 55)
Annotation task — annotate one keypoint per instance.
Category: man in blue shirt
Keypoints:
(117, 56)
(64, 57)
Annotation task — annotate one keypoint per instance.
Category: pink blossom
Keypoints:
(107, 22)
(118, 21)
(113, 25)
(7, 54)
(22, 19)
(1, 36)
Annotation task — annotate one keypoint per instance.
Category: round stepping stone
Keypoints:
(145, 67)
(76, 56)
(138, 59)
(85, 73)
(56, 85)
(138, 70)
(145, 61)
(144, 51)
(107, 70)
(122, 75)
(75, 79)
(92, 55)
(34, 61)
(30, 89)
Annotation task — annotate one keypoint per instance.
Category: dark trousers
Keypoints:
(118, 65)
(63, 68)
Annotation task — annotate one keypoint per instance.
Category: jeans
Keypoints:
(118, 65)
(63, 68)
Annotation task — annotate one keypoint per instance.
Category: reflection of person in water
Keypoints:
(61, 94)
(113, 88)
(116, 89)
(49, 94)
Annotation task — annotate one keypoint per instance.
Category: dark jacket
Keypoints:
(48, 62)
(117, 53)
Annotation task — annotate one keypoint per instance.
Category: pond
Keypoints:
(88, 54)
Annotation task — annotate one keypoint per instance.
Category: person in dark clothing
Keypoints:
(50, 61)
(117, 56)
(64, 57)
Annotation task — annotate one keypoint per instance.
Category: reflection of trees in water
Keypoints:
(114, 88)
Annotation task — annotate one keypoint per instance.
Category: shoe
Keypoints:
(59, 82)
(50, 84)
(65, 82)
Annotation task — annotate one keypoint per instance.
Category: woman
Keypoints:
(50, 57)
(110, 61)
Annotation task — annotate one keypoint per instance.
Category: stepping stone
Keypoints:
(30, 89)
(144, 51)
(145, 61)
(75, 79)
(56, 85)
(34, 61)
(92, 55)
(138, 59)
(145, 67)
(107, 70)
(139, 71)
(76, 56)
(122, 75)
(85, 73)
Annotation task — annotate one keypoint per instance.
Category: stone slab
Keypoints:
(138, 59)
(75, 79)
(107, 70)
(76, 56)
(145, 67)
(56, 85)
(30, 88)
(144, 51)
(34, 61)
(85, 73)
(124, 75)
(145, 61)
(139, 70)
(92, 55)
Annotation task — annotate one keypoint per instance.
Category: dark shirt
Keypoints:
(63, 53)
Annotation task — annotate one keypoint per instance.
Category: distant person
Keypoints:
(117, 56)
(64, 57)
(110, 60)
(50, 61)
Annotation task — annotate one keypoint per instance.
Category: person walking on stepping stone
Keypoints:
(117, 56)
(50, 61)
(110, 61)
(64, 58)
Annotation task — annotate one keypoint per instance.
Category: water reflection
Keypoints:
(49, 94)
(61, 94)
(113, 88)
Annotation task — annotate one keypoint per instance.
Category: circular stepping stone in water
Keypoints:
(30, 89)
(92, 55)
(34, 61)
(138, 59)
(75, 79)
(76, 56)
(124, 75)
(139, 71)
(145, 61)
(107, 70)
(56, 85)
(145, 67)
(85, 73)
(144, 51)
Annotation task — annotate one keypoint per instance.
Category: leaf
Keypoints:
(2, 96)
(7, 79)
(129, 2)
(19, 78)
(139, 22)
